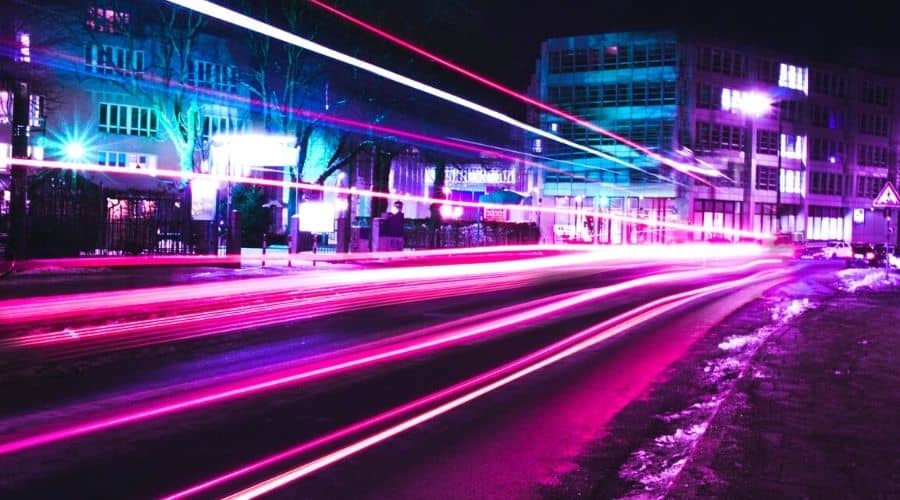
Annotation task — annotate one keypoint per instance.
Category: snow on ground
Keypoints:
(869, 278)
(654, 466)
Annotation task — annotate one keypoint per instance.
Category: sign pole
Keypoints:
(887, 244)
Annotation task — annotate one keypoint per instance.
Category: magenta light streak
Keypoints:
(687, 169)
(520, 368)
(40, 309)
(375, 194)
(362, 359)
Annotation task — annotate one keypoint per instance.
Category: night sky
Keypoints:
(501, 38)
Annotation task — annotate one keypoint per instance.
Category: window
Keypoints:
(793, 77)
(130, 160)
(36, 112)
(871, 156)
(224, 123)
(23, 43)
(793, 146)
(215, 76)
(828, 83)
(868, 186)
(722, 61)
(872, 93)
(766, 178)
(537, 147)
(872, 124)
(714, 136)
(109, 59)
(5, 107)
(107, 20)
(128, 120)
(827, 183)
(827, 150)
(767, 142)
(768, 71)
(792, 181)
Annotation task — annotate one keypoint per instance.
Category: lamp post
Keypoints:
(752, 105)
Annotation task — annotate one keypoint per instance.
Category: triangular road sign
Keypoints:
(887, 198)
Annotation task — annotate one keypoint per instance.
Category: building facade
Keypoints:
(810, 163)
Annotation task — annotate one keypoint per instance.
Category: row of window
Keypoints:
(36, 110)
(827, 150)
(712, 136)
(871, 156)
(649, 132)
(871, 124)
(128, 120)
(638, 93)
(829, 183)
(107, 20)
(611, 57)
(109, 59)
(873, 93)
(828, 83)
(221, 77)
(869, 186)
(827, 117)
(722, 61)
(767, 179)
(122, 159)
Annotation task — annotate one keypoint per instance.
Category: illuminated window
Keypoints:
(107, 20)
(793, 146)
(793, 77)
(792, 181)
(23, 40)
(538, 147)
(36, 112)
(5, 107)
(109, 59)
(128, 120)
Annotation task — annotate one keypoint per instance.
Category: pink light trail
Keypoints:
(380, 353)
(509, 372)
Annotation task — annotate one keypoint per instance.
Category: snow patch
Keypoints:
(872, 278)
(655, 466)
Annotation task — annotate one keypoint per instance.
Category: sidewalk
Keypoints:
(795, 395)
(815, 414)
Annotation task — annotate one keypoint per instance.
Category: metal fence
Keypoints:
(417, 234)
(69, 216)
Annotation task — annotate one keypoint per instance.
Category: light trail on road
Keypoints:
(495, 379)
(44, 309)
(376, 354)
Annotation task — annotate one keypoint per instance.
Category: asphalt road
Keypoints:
(505, 444)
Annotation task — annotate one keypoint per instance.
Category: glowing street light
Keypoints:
(74, 151)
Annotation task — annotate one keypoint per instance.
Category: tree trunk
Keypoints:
(19, 188)
(437, 191)
(381, 172)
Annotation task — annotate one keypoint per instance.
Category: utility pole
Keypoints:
(19, 178)
(778, 173)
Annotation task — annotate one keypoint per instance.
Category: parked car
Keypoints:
(836, 250)
(893, 255)
(863, 255)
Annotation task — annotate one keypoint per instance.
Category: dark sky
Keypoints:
(501, 38)
(818, 29)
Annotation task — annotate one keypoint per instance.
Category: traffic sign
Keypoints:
(887, 198)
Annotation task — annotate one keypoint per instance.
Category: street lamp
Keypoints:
(753, 105)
